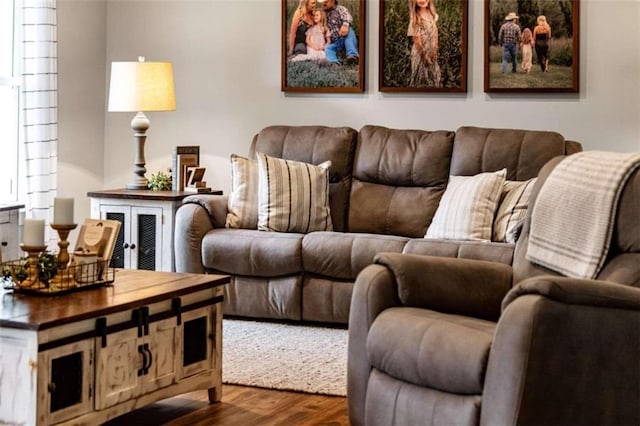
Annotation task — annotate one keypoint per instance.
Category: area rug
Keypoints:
(285, 357)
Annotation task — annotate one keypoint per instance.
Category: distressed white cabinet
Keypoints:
(90, 356)
(9, 231)
(145, 240)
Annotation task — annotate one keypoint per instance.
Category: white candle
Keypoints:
(63, 211)
(33, 232)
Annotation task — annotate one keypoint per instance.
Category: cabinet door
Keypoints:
(9, 235)
(121, 253)
(118, 366)
(146, 225)
(65, 383)
(163, 346)
(197, 349)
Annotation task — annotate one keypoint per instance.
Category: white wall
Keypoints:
(226, 56)
(81, 80)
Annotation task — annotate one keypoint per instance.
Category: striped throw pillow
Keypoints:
(293, 196)
(467, 207)
(243, 201)
(513, 208)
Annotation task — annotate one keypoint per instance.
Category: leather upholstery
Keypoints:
(399, 177)
(557, 350)
(315, 145)
(385, 186)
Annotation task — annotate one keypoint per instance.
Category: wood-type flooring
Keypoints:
(241, 406)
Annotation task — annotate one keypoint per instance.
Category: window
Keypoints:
(9, 102)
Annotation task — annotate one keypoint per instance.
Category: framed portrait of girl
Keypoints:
(423, 46)
(323, 46)
(531, 46)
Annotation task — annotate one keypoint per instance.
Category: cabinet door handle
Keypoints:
(141, 350)
(4, 243)
(146, 348)
(125, 246)
(133, 246)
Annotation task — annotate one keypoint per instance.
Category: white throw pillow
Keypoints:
(512, 209)
(467, 207)
(293, 196)
(243, 201)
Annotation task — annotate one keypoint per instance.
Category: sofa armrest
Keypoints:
(214, 205)
(577, 292)
(565, 351)
(456, 286)
(198, 215)
(374, 291)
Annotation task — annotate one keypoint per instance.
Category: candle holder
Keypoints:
(62, 278)
(63, 234)
(32, 269)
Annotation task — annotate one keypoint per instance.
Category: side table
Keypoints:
(145, 240)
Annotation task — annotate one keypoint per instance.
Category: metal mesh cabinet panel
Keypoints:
(147, 242)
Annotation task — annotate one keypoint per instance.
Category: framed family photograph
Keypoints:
(323, 46)
(531, 46)
(423, 46)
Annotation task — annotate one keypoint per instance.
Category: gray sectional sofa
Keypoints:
(385, 187)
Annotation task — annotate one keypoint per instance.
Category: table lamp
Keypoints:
(137, 87)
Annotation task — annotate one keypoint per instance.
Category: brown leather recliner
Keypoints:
(464, 342)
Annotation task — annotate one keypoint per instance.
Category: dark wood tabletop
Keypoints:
(131, 288)
(145, 194)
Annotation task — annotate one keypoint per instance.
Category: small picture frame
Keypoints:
(323, 46)
(531, 47)
(423, 47)
(98, 236)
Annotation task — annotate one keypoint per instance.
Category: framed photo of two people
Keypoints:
(531, 46)
(323, 46)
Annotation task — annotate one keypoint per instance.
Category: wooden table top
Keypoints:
(130, 288)
(146, 194)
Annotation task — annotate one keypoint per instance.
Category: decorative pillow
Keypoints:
(512, 209)
(243, 201)
(293, 196)
(467, 207)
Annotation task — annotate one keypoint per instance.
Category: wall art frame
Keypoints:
(339, 67)
(434, 62)
(550, 63)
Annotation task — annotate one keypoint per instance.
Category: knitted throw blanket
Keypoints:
(572, 219)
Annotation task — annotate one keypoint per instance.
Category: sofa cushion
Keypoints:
(427, 348)
(512, 209)
(467, 207)
(343, 256)
(293, 196)
(521, 152)
(243, 200)
(278, 298)
(314, 145)
(399, 176)
(252, 252)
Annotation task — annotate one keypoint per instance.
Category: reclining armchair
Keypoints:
(449, 341)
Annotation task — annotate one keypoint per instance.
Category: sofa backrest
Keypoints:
(521, 152)
(623, 262)
(398, 179)
(315, 144)
(399, 176)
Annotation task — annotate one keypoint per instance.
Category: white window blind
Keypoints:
(39, 105)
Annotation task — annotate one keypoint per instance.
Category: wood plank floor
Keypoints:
(241, 406)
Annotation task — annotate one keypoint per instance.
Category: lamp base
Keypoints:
(135, 185)
(139, 124)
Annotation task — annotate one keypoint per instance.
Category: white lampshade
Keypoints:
(141, 86)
